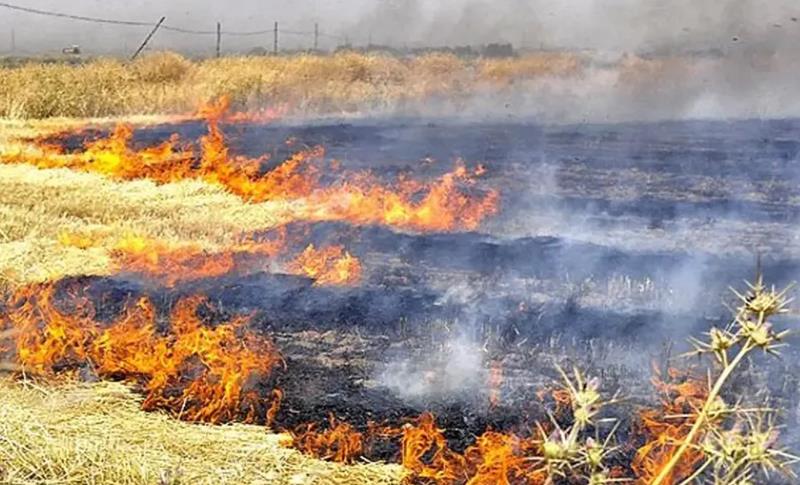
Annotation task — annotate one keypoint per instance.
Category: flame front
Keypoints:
(446, 204)
(170, 265)
(197, 372)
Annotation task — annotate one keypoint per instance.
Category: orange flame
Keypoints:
(495, 458)
(220, 109)
(328, 266)
(170, 265)
(503, 459)
(197, 372)
(442, 205)
(340, 442)
(445, 204)
(426, 454)
(665, 428)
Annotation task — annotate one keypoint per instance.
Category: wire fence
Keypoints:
(219, 32)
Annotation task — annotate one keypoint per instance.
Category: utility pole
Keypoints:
(147, 39)
(275, 41)
(316, 36)
(219, 37)
(13, 40)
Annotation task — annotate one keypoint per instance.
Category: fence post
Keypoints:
(275, 41)
(147, 39)
(316, 36)
(219, 37)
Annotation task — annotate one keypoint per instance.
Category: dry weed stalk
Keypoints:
(567, 452)
(736, 454)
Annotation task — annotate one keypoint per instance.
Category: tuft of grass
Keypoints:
(97, 434)
(161, 68)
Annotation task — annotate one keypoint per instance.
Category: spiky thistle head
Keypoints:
(584, 396)
(748, 447)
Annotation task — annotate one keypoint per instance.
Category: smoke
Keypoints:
(712, 59)
(620, 25)
(455, 369)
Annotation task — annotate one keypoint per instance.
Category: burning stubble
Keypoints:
(375, 314)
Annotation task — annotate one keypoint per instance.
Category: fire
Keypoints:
(196, 372)
(113, 157)
(443, 205)
(503, 459)
(340, 442)
(495, 458)
(74, 240)
(665, 428)
(170, 265)
(426, 454)
(446, 204)
(328, 266)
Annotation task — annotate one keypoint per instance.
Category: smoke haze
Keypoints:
(619, 25)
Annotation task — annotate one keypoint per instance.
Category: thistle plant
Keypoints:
(735, 454)
(567, 451)
(747, 448)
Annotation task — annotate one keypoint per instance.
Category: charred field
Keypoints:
(422, 289)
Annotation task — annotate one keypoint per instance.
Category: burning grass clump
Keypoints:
(97, 433)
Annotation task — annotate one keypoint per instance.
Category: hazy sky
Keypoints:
(603, 24)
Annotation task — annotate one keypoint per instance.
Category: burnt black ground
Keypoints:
(613, 240)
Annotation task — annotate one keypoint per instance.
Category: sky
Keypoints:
(617, 25)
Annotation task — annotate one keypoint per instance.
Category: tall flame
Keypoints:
(195, 371)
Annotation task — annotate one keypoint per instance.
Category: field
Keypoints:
(217, 292)
(167, 83)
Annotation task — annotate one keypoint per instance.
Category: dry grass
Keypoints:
(96, 434)
(39, 206)
(343, 83)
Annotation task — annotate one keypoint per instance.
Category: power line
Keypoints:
(73, 17)
(171, 28)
